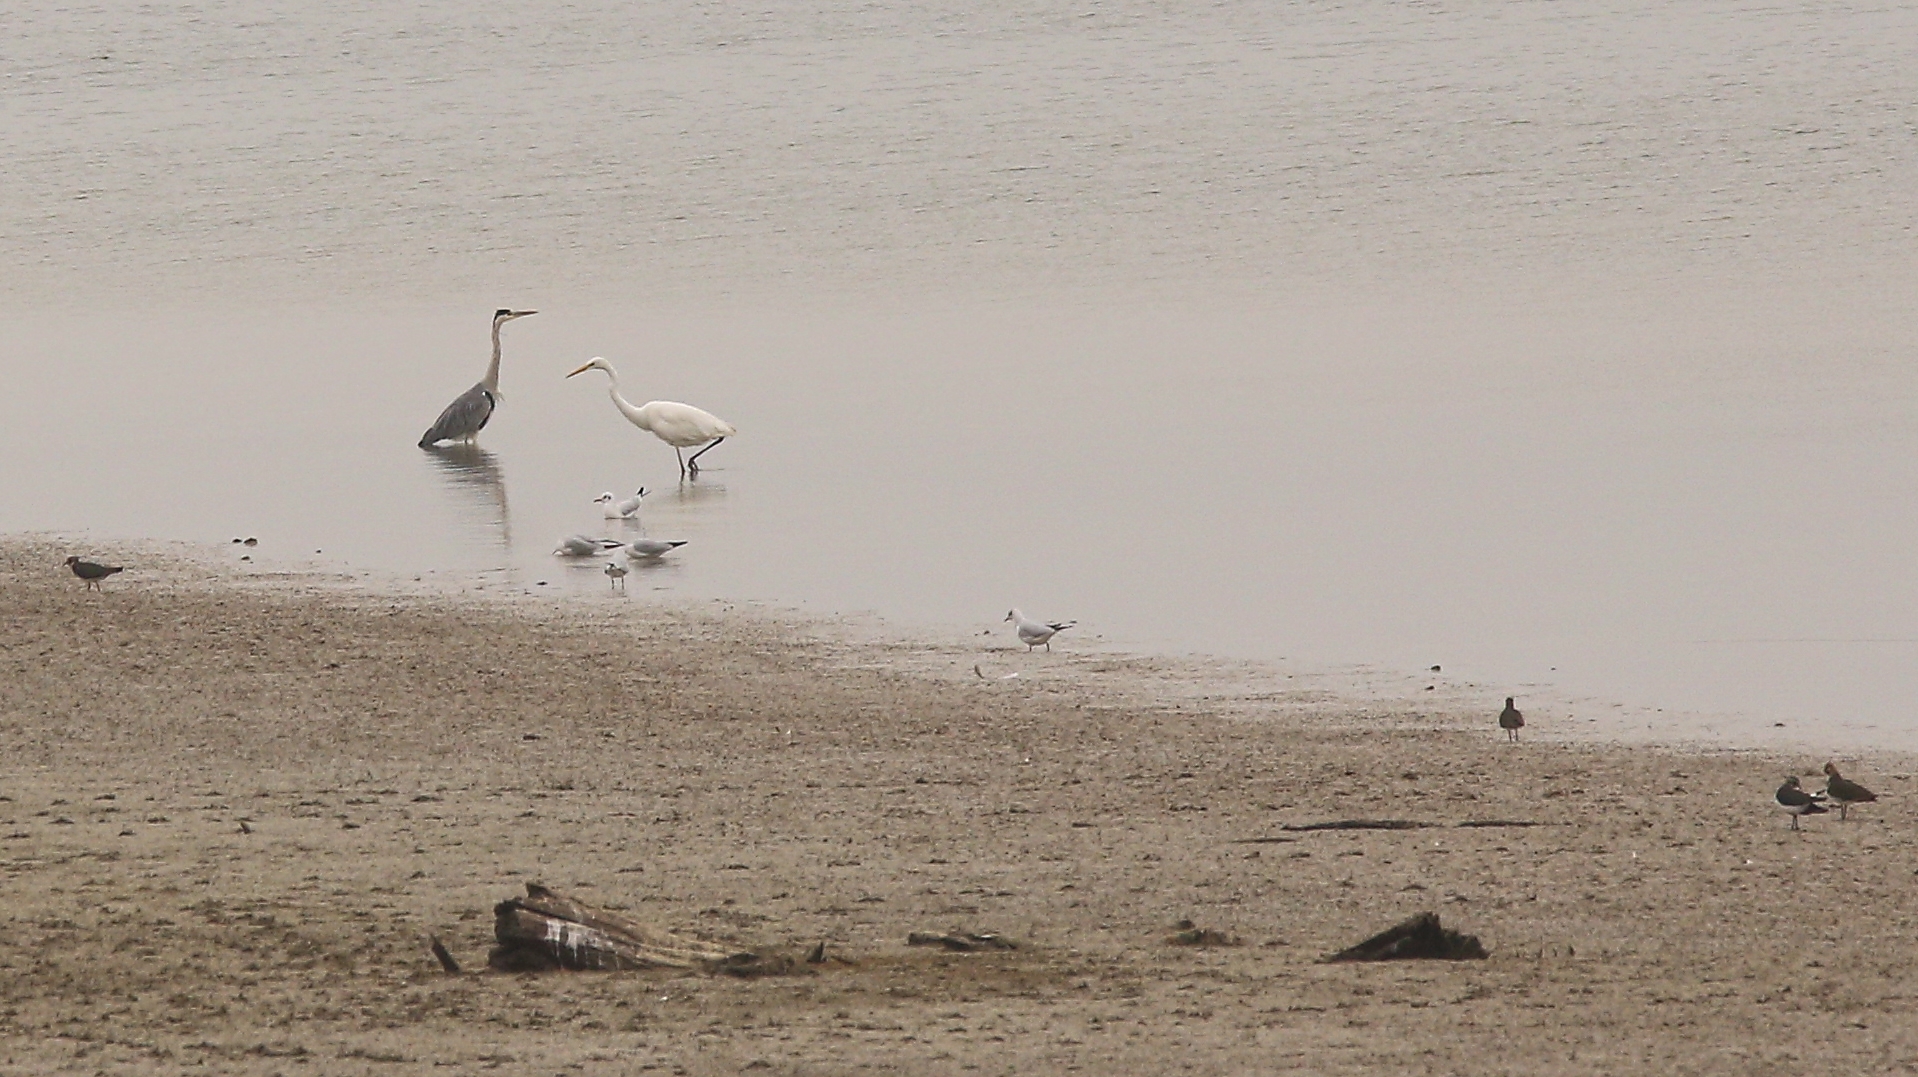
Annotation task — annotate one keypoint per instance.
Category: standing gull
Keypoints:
(466, 416)
(680, 425)
(1510, 720)
(1798, 802)
(91, 572)
(614, 509)
(1844, 792)
(1033, 633)
(616, 575)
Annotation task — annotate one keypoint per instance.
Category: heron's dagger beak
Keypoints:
(582, 370)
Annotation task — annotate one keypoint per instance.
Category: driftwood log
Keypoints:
(963, 942)
(547, 930)
(1420, 937)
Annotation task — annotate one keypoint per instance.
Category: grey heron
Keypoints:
(1032, 633)
(92, 573)
(680, 425)
(466, 416)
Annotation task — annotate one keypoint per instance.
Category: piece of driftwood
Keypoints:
(1360, 824)
(1419, 937)
(446, 961)
(547, 930)
(1386, 824)
(960, 941)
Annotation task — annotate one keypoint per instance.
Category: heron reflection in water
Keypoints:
(478, 485)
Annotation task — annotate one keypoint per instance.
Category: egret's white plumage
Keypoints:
(584, 546)
(1032, 633)
(680, 425)
(651, 549)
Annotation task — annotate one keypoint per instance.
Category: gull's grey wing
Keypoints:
(462, 418)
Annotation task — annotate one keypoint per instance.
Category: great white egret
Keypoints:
(680, 425)
(1032, 633)
(651, 549)
(91, 572)
(466, 416)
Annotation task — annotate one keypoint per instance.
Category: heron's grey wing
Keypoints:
(462, 418)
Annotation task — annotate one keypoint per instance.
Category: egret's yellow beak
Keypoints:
(582, 370)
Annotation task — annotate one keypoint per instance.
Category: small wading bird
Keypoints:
(1511, 721)
(1798, 802)
(584, 546)
(651, 549)
(1844, 792)
(91, 572)
(1033, 633)
(466, 416)
(616, 575)
(680, 425)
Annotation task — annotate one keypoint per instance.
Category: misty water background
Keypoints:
(1567, 345)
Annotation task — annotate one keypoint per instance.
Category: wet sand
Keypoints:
(401, 762)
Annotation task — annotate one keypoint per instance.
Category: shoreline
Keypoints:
(1247, 687)
(402, 762)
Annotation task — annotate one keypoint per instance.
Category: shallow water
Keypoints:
(1564, 345)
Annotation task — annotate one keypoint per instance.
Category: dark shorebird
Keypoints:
(1844, 792)
(1510, 720)
(91, 572)
(1798, 802)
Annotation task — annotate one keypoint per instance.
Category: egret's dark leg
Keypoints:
(682, 461)
(694, 462)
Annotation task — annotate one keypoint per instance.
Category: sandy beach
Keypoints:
(232, 811)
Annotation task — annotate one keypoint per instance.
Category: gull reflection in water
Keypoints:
(479, 488)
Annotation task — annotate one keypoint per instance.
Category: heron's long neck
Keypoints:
(491, 380)
(625, 406)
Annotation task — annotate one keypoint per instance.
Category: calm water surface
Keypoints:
(1566, 345)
